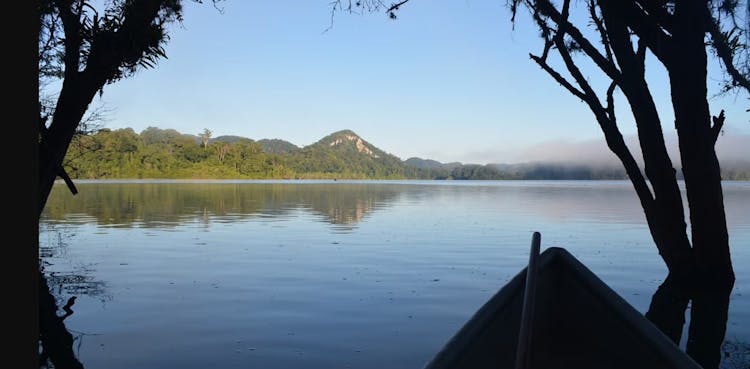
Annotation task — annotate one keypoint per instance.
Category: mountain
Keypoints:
(430, 164)
(167, 153)
(432, 169)
(344, 153)
(195, 138)
(230, 139)
(559, 170)
(347, 141)
(277, 146)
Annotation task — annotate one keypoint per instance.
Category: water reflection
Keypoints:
(344, 205)
(59, 346)
(160, 205)
(55, 341)
(69, 277)
(321, 275)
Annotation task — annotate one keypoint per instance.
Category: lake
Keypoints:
(330, 274)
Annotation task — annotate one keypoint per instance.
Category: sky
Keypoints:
(449, 80)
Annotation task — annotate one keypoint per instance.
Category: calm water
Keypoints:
(330, 274)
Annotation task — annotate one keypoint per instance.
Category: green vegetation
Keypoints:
(169, 154)
(166, 153)
(276, 146)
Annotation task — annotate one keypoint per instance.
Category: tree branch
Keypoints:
(609, 127)
(602, 31)
(657, 11)
(114, 48)
(546, 8)
(589, 95)
(48, 32)
(611, 102)
(718, 125)
(60, 170)
(71, 28)
(396, 6)
(645, 26)
(630, 61)
(542, 61)
(725, 53)
(68, 181)
(558, 77)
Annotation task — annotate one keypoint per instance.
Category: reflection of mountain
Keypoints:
(349, 216)
(341, 203)
(349, 203)
(162, 205)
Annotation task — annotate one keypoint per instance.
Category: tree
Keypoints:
(679, 34)
(205, 137)
(87, 49)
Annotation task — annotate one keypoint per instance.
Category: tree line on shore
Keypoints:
(167, 153)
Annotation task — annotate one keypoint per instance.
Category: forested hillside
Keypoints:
(167, 153)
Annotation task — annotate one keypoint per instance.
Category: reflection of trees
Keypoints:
(76, 279)
(736, 354)
(76, 284)
(169, 204)
(56, 341)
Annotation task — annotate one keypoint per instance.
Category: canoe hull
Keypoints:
(579, 322)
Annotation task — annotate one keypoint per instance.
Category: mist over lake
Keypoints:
(330, 274)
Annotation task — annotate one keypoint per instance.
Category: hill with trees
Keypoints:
(167, 153)
(277, 146)
(345, 154)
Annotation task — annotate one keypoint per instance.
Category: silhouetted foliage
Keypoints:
(674, 32)
(616, 36)
(87, 45)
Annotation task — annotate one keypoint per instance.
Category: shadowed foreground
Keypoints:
(579, 322)
(56, 341)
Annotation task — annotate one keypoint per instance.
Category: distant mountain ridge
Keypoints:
(230, 139)
(167, 153)
(348, 141)
(277, 146)
(347, 153)
(430, 164)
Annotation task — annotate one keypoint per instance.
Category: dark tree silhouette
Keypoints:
(86, 48)
(699, 263)
(680, 34)
(57, 342)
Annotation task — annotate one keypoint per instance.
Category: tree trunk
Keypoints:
(714, 276)
(75, 97)
(668, 306)
(663, 209)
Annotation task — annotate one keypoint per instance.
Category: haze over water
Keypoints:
(330, 274)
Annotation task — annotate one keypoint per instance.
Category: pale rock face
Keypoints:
(358, 143)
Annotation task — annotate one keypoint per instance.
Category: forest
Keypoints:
(157, 153)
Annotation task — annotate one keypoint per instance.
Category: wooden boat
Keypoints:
(557, 314)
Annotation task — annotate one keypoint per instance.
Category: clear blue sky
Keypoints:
(449, 80)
